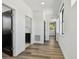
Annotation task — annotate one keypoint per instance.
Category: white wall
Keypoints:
(47, 16)
(57, 26)
(68, 42)
(5, 8)
(57, 29)
(20, 11)
(38, 26)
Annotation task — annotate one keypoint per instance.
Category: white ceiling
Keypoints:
(49, 4)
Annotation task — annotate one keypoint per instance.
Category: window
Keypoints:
(62, 20)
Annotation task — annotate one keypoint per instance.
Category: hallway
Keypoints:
(30, 21)
(50, 50)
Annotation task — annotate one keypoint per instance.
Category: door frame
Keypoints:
(27, 17)
(13, 19)
(44, 31)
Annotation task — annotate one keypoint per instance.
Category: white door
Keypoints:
(28, 24)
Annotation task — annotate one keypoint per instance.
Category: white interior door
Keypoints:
(28, 24)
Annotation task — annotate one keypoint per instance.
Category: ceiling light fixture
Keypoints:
(43, 3)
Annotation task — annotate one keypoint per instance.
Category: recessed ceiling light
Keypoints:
(43, 3)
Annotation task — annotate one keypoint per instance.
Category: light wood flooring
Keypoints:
(49, 50)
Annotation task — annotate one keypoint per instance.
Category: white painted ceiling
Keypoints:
(49, 4)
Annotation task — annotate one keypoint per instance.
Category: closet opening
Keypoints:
(28, 30)
(7, 30)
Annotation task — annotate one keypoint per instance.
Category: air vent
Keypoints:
(37, 37)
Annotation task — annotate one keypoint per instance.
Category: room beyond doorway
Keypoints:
(52, 29)
(7, 30)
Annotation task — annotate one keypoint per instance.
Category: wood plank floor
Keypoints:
(49, 50)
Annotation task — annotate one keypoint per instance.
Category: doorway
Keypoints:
(28, 30)
(7, 30)
(52, 29)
